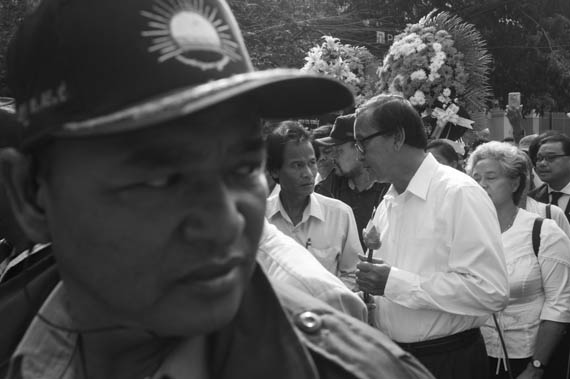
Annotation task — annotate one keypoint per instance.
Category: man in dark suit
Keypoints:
(553, 168)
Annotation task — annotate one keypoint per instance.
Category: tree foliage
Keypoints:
(529, 39)
(11, 13)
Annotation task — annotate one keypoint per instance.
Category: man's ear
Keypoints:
(24, 194)
(399, 138)
(274, 175)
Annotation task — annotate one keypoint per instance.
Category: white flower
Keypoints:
(446, 92)
(436, 62)
(408, 45)
(419, 98)
(418, 75)
(331, 42)
(313, 58)
(397, 82)
(433, 76)
(436, 46)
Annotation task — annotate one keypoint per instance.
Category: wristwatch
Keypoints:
(538, 364)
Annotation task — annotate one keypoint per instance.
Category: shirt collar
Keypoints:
(420, 182)
(313, 209)
(565, 190)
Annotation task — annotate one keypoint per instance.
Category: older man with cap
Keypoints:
(353, 184)
(440, 271)
(142, 163)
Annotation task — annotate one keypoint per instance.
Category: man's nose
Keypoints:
(213, 215)
(306, 171)
(359, 156)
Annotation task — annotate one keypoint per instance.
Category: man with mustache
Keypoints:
(326, 227)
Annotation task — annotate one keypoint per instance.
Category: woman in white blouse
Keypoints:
(539, 306)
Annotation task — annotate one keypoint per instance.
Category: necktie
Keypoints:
(554, 197)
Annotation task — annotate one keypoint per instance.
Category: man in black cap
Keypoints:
(142, 163)
(353, 184)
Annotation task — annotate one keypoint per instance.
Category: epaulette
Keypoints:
(361, 350)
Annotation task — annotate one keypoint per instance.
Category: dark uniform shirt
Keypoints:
(281, 333)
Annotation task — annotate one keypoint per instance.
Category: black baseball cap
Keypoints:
(85, 67)
(342, 131)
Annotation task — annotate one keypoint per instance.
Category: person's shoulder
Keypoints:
(539, 192)
(550, 231)
(331, 203)
(450, 183)
(281, 256)
(525, 220)
(342, 346)
(455, 178)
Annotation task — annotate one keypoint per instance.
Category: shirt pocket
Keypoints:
(327, 256)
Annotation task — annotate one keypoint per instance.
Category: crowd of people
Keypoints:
(458, 255)
(190, 239)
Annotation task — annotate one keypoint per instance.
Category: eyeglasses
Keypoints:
(359, 144)
(549, 158)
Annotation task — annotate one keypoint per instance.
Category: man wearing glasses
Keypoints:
(553, 168)
(440, 271)
(352, 184)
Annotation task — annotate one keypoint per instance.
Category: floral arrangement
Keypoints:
(441, 65)
(353, 65)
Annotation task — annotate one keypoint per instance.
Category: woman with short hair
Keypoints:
(538, 312)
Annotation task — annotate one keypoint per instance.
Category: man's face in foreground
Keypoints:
(159, 227)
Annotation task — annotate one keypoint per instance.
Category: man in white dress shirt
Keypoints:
(440, 272)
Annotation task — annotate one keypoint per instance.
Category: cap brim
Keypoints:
(329, 141)
(278, 93)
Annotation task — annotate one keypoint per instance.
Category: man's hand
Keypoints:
(372, 277)
(515, 117)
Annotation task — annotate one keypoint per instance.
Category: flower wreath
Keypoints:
(355, 66)
(441, 65)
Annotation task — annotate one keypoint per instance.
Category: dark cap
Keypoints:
(342, 131)
(85, 67)
(10, 129)
(322, 131)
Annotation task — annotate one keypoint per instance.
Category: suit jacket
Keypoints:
(541, 194)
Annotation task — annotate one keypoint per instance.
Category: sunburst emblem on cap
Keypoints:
(190, 32)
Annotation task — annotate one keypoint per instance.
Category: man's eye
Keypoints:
(160, 182)
(248, 169)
